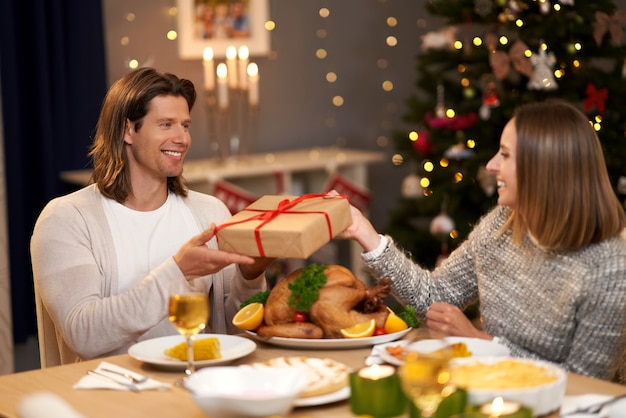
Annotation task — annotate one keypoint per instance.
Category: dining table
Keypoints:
(177, 401)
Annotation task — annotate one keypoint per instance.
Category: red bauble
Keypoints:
(423, 146)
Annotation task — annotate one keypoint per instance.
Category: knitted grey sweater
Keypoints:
(566, 308)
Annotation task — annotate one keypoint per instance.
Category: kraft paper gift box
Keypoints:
(285, 226)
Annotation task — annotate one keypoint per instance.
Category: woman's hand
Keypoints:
(361, 229)
(448, 319)
(252, 271)
(196, 259)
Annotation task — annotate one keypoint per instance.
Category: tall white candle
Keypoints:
(253, 84)
(231, 62)
(222, 85)
(209, 74)
(243, 53)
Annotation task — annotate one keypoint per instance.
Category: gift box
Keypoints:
(285, 226)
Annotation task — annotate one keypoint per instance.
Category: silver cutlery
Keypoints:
(128, 376)
(595, 408)
(130, 386)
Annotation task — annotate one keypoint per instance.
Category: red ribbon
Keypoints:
(268, 215)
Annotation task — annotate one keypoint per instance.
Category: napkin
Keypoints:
(96, 382)
(571, 403)
(45, 404)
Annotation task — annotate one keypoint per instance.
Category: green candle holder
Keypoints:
(379, 398)
(473, 411)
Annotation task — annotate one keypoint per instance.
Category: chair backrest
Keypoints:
(49, 354)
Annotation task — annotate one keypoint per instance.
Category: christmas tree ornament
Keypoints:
(440, 108)
(422, 145)
(491, 41)
(455, 123)
(487, 180)
(442, 224)
(621, 185)
(543, 75)
(443, 39)
(595, 98)
(614, 24)
(512, 10)
(501, 62)
(490, 97)
(483, 7)
(458, 152)
(412, 187)
(544, 6)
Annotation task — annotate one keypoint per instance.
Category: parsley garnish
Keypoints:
(305, 289)
(260, 297)
(409, 315)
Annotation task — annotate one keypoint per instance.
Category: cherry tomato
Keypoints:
(299, 316)
(379, 331)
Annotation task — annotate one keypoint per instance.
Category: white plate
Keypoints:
(478, 348)
(339, 395)
(331, 343)
(153, 351)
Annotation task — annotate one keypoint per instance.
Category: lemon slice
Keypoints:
(394, 323)
(360, 330)
(249, 317)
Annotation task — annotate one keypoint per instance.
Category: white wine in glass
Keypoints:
(424, 378)
(189, 312)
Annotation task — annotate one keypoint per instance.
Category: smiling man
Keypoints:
(107, 257)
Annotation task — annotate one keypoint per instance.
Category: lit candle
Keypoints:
(207, 62)
(222, 86)
(231, 62)
(500, 407)
(243, 54)
(376, 391)
(253, 84)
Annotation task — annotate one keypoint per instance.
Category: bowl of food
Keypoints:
(246, 392)
(535, 384)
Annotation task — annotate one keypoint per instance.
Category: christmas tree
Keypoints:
(490, 57)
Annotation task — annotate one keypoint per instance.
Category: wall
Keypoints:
(296, 111)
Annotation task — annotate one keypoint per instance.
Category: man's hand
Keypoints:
(195, 259)
(252, 271)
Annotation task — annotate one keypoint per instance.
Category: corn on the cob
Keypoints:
(203, 349)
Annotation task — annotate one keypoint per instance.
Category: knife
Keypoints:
(109, 378)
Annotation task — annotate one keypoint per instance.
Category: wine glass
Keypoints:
(424, 377)
(189, 312)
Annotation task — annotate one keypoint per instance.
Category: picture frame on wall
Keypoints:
(222, 23)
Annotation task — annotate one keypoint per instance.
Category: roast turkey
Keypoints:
(343, 301)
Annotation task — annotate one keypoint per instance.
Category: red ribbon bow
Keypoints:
(283, 207)
(595, 97)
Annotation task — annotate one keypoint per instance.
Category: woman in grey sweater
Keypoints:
(548, 264)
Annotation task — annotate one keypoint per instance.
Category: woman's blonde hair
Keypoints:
(564, 195)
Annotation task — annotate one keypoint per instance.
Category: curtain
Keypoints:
(6, 340)
(53, 79)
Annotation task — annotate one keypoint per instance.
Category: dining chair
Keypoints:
(49, 354)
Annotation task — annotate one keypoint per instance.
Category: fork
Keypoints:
(595, 408)
(128, 376)
(130, 386)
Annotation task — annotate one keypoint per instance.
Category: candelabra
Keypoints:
(233, 106)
